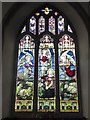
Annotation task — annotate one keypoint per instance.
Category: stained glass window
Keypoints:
(32, 25)
(41, 25)
(25, 75)
(60, 24)
(46, 75)
(53, 44)
(52, 25)
(67, 75)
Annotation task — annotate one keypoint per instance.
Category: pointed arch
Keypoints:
(47, 26)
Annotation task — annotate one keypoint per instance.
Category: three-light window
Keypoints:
(50, 32)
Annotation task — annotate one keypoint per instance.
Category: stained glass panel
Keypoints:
(24, 29)
(46, 10)
(46, 76)
(25, 75)
(45, 19)
(41, 25)
(67, 75)
(52, 25)
(32, 25)
(60, 24)
(69, 29)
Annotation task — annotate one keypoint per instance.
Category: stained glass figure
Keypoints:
(69, 29)
(67, 75)
(52, 25)
(46, 10)
(46, 75)
(41, 25)
(32, 25)
(25, 75)
(24, 29)
(60, 24)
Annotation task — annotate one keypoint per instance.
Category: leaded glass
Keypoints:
(46, 10)
(32, 25)
(41, 25)
(52, 25)
(45, 22)
(67, 75)
(69, 29)
(46, 75)
(25, 75)
(60, 24)
(24, 29)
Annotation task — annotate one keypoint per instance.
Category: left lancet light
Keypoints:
(25, 75)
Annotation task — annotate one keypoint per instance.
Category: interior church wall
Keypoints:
(10, 32)
(0, 60)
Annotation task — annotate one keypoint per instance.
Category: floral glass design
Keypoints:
(25, 75)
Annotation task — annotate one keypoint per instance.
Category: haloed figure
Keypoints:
(68, 60)
(49, 84)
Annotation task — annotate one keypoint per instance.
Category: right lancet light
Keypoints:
(67, 75)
